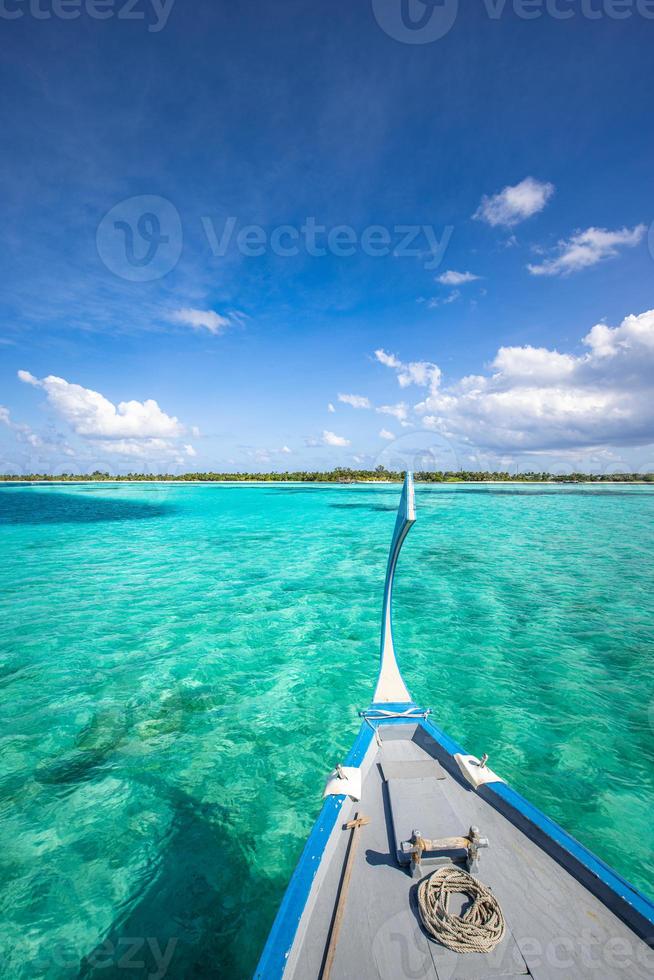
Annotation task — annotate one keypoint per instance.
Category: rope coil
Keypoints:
(479, 930)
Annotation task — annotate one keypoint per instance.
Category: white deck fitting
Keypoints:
(473, 771)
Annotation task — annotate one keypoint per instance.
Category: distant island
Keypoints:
(338, 475)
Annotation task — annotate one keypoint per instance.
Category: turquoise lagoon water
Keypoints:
(181, 666)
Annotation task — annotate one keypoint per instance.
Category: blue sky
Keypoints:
(519, 148)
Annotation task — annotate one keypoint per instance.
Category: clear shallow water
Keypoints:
(181, 665)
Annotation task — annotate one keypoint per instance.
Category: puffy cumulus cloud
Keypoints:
(331, 439)
(515, 203)
(634, 336)
(200, 319)
(587, 248)
(422, 373)
(452, 278)
(535, 399)
(528, 363)
(356, 401)
(130, 429)
(330, 408)
(92, 415)
(385, 434)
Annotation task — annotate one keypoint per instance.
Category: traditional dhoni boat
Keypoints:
(424, 863)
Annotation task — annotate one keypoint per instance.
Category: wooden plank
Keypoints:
(354, 826)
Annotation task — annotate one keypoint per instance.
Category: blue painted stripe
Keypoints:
(612, 889)
(360, 747)
(282, 935)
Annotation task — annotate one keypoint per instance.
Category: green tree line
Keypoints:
(340, 475)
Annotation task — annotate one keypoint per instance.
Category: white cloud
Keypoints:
(330, 408)
(452, 278)
(514, 204)
(529, 363)
(587, 248)
(22, 431)
(268, 455)
(399, 411)
(146, 449)
(331, 439)
(436, 301)
(131, 428)
(389, 360)
(201, 319)
(356, 401)
(92, 415)
(385, 434)
(634, 337)
(411, 373)
(536, 399)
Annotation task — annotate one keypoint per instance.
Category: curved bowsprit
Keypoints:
(391, 688)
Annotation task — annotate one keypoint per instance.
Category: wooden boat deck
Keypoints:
(555, 927)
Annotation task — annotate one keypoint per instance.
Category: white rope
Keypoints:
(380, 713)
(479, 930)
